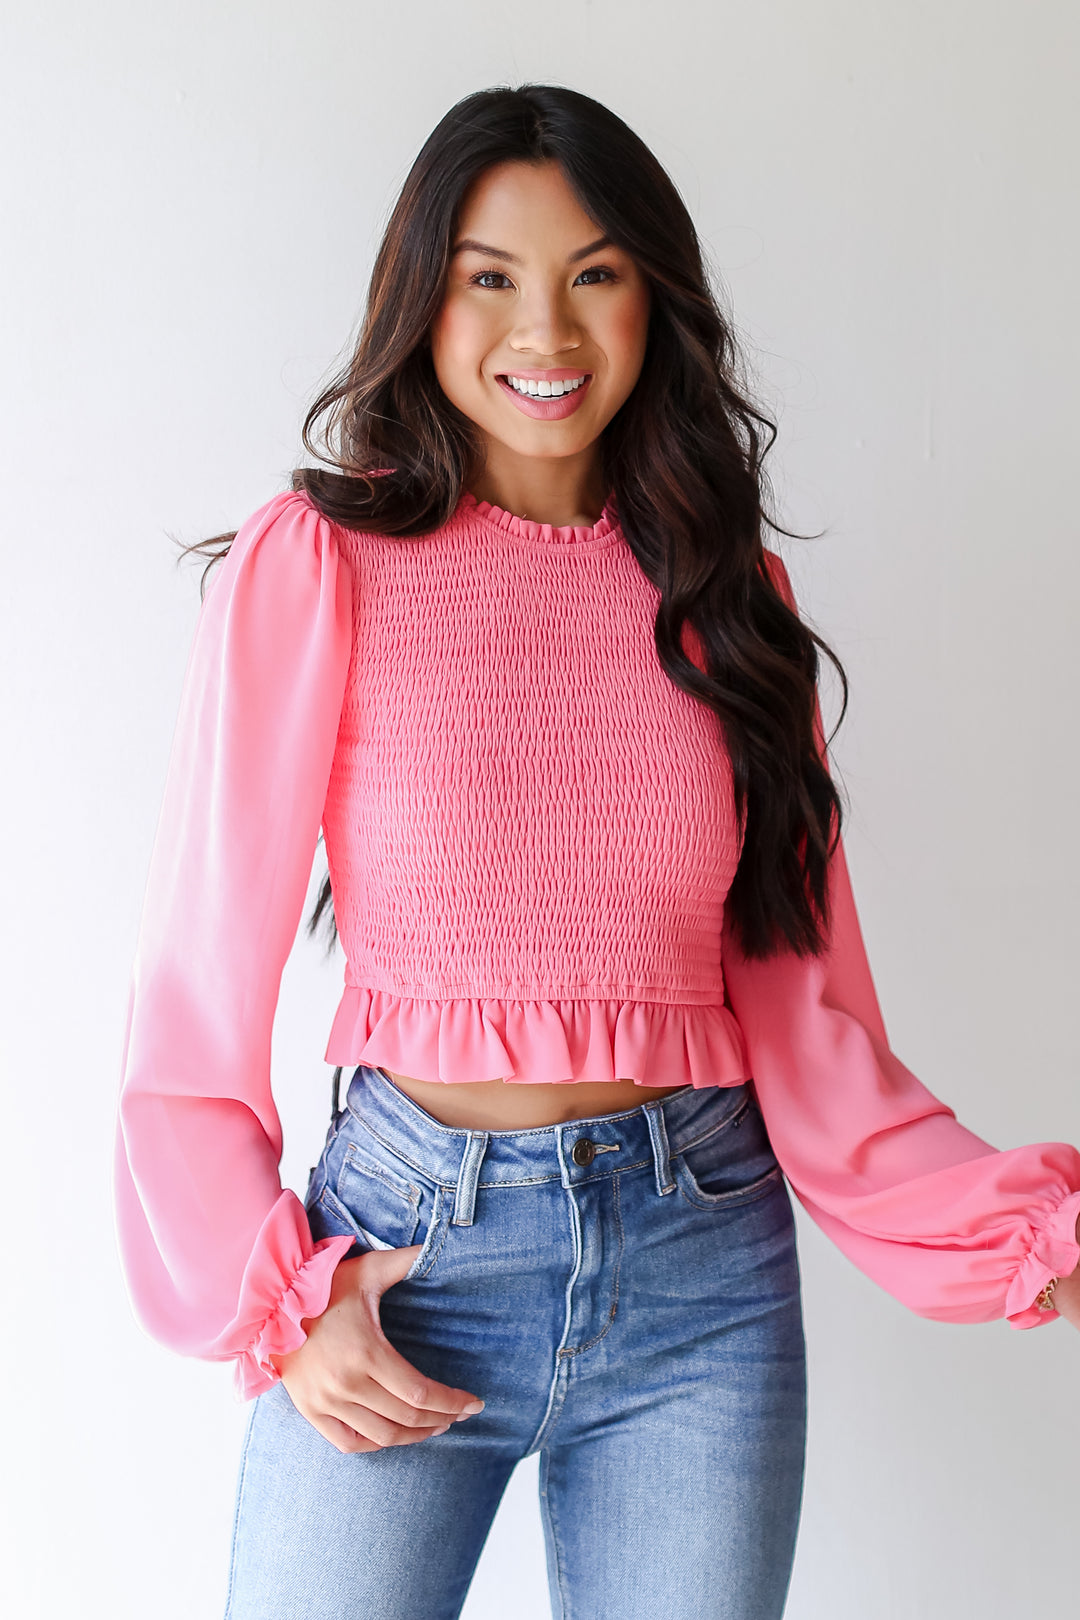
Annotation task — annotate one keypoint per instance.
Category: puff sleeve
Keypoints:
(953, 1228)
(219, 1258)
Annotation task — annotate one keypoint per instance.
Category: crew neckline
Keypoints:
(602, 532)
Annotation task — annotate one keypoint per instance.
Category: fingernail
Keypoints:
(439, 1431)
(472, 1409)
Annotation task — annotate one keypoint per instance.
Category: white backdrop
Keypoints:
(190, 200)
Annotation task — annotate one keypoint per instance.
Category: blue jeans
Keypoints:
(623, 1293)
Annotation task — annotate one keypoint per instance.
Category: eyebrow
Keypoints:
(469, 244)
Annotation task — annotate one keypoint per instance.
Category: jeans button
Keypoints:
(583, 1152)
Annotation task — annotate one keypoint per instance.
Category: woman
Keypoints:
(522, 654)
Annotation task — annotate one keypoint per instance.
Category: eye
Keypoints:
(489, 278)
(497, 281)
(596, 270)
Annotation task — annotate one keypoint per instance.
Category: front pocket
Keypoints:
(733, 1165)
(380, 1207)
(701, 1198)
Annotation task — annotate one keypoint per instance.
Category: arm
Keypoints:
(951, 1227)
(219, 1257)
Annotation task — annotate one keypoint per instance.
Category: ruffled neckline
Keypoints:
(602, 532)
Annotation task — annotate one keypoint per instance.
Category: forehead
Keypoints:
(533, 202)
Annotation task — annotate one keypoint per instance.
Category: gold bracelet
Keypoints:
(1045, 1300)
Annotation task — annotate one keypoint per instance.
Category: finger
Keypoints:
(376, 1272)
(364, 1391)
(379, 1430)
(401, 1379)
(380, 1269)
(341, 1436)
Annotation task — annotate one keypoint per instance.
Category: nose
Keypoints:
(545, 325)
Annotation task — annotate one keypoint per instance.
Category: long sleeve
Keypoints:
(218, 1256)
(950, 1226)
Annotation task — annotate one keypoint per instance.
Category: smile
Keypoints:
(547, 398)
(545, 389)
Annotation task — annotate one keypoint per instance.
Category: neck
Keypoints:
(560, 490)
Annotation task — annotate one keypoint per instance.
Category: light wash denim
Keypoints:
(623, 1292)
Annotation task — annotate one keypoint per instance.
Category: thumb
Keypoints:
(382, 1268)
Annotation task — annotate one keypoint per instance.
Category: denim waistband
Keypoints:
(573, 1152)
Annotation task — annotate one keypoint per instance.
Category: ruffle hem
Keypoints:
(543, 1042)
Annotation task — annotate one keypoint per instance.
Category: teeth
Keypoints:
(545, 390)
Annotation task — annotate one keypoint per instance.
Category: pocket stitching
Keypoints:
(734, 1118)
(700, 1199)
(338, 1209)
(408, 1190)
(335, 1204)
(425, 1260)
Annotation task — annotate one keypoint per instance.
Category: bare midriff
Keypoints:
(500, 1105)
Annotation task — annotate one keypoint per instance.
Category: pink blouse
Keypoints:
(530, 834)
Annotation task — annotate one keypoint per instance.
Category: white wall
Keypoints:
(190, 199)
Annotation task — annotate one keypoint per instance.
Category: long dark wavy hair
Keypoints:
(683, 459)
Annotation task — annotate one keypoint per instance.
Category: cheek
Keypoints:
(458, 345)
(627, 331)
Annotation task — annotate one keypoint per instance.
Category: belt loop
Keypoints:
(654, 1115)
(468, 1176)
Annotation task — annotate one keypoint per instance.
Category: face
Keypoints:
(541, 334)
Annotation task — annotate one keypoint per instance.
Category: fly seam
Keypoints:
(576, 1350)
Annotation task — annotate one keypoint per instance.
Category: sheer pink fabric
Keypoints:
(948, 1225)
(219, 1255)
(955, 1229)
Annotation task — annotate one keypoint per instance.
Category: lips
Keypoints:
(547, 410)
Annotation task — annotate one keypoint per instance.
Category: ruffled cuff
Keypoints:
(1054, 1252)
(279, 1331)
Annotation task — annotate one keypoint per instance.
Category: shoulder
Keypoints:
(284, 562)
(289, 518)
(288, 536)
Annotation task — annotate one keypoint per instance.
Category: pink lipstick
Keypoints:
(545, 407)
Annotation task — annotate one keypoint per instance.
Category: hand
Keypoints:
(1067, 1293)
(1067, 1297)
(349, 1381)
